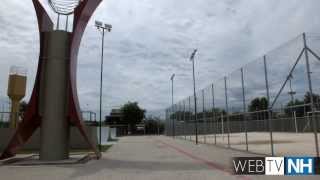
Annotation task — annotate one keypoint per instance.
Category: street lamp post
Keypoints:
(173, 128)
(194, 93)
(103, 28)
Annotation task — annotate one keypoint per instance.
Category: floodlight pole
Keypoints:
(204, 121)
(184, 120)
(103, 28)
(173, 124)
(194, 94)
(214, 121)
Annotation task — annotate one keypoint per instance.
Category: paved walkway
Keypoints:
(144, 158)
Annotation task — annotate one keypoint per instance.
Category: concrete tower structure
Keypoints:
(54, 104)
(16, 91)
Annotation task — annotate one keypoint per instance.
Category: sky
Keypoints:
(152, 39)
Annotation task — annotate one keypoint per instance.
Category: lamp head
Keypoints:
(98, 24)
(193, 54)
(172, 77)
(101, 25)
(108, 27)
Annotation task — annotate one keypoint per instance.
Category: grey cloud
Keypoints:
(152, 39)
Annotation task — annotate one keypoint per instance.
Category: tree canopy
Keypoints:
(299, 107)
(258, 104)
(154, 125)
(293, 106)
(132, 114)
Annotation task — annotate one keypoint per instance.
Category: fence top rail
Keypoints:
(284, 51)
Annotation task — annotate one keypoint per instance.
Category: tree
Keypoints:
(316, 100)
(258, 104)
(154, 125)
(132, 114)
(290, 108)
(23, 108)
(300, 111)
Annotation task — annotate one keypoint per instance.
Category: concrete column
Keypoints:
(14, 114)
(53, 107)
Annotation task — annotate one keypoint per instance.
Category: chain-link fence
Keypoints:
(89, 118)
(269, 106)
(5, 108)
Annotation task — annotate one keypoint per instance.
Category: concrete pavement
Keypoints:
(144, 158)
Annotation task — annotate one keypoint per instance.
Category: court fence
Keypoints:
(270, 106)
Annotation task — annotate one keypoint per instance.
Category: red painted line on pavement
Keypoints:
(210, 164)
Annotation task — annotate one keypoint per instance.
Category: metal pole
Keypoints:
(171, 122)
(58, 21)
(214, 115)
(314, 124)
(190, 115)
(174, 114)
(178, 120)
(204, 122)
(166, 122)
(184, 120)
(268, 100)
(101, 81)
(222, 126)
(227, 109)
(295, 121)
(244, 110)
(195, 102)
(158, 127)
(67, 23)
(293, 112)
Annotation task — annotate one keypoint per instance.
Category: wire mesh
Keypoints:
(265, 106)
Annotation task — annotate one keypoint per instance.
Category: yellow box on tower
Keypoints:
(16, 91)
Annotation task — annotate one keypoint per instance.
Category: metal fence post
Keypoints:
(184, 120)
(214, 115)
(190, 117)
(166, 123)
(171, 119)
(244, 110)
(268, 99)
(169, 122)
(195, 117)
(314, 124)
(176, 120)
(204, 122)
(174, 115)
(179, 120)
(227, 109)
